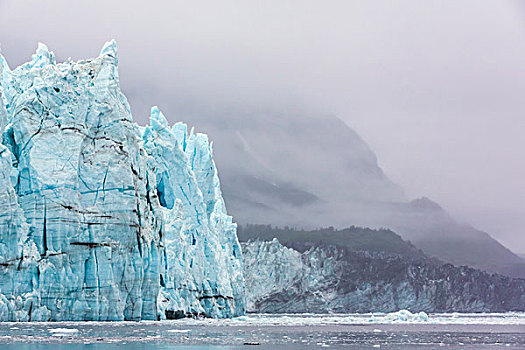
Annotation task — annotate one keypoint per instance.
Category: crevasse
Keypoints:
(102, 219)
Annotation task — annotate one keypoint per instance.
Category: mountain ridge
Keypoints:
(287, 170)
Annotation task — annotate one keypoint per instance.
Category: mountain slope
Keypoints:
(353, 238)
(282, 169)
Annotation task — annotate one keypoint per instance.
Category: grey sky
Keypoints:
(435, 87)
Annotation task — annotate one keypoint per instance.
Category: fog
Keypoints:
(435, 88)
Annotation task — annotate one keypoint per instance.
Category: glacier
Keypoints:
(325, 278)
(102, 219)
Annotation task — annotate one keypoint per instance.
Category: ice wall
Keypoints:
(336, 279)
(102, 219)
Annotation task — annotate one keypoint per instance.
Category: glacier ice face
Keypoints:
(271, 268)
(102, 219)
(334, 279)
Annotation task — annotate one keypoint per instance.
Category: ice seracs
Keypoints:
(102, 219)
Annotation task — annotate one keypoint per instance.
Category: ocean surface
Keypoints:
(305, 331)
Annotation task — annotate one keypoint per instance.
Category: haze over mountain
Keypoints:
(436, 94)
(309, 172)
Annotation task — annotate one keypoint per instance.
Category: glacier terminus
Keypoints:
(100, 218)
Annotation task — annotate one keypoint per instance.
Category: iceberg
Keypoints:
(102, 219)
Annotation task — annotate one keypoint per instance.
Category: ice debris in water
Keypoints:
(101, 219)
(401, 316)
(63, 330)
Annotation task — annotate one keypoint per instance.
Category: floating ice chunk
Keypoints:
(400, 316)
(63, 330)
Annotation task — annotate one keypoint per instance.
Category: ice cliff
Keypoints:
(102, 219)
(329, 278)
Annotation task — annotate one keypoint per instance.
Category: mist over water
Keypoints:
(436, 89)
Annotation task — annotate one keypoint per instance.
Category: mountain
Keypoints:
(353, 238)
(433, 230)
(101, 219)
(327, 278)
(309, 172)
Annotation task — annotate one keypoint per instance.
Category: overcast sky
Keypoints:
(437, 88)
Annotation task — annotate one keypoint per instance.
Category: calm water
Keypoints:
(365, 331)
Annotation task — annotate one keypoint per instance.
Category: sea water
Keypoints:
(285, 331)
